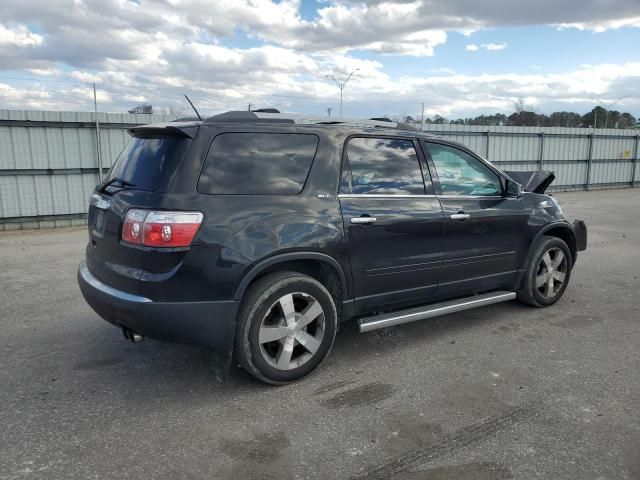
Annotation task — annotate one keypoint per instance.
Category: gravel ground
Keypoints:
(506, 391)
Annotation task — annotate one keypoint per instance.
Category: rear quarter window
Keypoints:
(258, 163)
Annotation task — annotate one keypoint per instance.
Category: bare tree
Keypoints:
(519, 105)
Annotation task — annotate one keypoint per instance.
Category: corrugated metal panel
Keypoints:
(613, 148)
(508, 147)
(517, 166)
(54, 147)
(71, 144)
(611, 172)
(567, 173)
(566, 148)
(37, 195)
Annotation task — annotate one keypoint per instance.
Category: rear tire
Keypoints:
(286, 326)
(547, 274)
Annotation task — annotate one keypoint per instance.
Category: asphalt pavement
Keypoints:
(500, 392)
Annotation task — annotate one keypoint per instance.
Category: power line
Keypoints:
(32, 79)
(103, 86)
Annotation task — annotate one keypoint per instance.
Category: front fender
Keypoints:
(561, 229)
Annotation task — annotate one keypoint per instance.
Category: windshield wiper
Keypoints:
(124, 183)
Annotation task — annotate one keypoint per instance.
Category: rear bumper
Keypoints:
(207, 324)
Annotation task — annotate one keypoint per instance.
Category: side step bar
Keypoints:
(420, 313)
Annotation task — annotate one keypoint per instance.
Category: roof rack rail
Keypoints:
(185, 119)
(257, 116)
(245, 116)
(266, 110)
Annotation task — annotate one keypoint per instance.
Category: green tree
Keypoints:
(564, 119)
(626, 120)
(595, 118)
(526, 119)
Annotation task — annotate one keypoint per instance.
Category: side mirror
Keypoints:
(513, 189)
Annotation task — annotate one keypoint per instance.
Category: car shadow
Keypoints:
(152, 367)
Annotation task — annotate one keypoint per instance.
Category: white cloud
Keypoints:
(494, 46)
(82, 33)
(160, 49)
(442, 70)
(472, 47)
(236, 78)
(19, 36)
(601, 26)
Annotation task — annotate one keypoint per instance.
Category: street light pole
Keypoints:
(611, 105)
(341, 85)
(608, 106)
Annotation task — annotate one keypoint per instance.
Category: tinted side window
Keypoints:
(258, 163)
(383, 166)
(461, 174)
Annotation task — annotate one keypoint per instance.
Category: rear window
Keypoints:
(144, 161)
(258, 163)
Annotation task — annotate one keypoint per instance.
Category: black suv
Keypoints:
(256, 234)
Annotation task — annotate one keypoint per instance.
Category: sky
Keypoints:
(461, 58)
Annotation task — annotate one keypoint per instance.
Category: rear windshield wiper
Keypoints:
(124, 183)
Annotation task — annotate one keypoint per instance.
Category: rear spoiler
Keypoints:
(186, 129)
(536, 181)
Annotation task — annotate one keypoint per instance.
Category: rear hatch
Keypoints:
(141, 177)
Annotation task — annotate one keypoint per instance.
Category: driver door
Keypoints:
(484, 231)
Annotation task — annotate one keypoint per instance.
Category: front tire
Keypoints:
(286, 327)
(547, 274)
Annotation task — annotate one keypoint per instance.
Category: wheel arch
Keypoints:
(564, 232)
(317, 265)
(561, 230)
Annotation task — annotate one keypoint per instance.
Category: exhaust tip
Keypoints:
(131, 335)
(136, 337)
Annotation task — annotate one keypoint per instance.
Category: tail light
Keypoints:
(160, 229)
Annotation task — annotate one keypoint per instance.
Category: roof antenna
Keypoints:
(194, 108)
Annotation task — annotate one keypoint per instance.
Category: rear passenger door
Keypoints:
(393, 221)
(485, 231)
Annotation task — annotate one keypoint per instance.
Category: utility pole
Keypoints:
(99, 155)
(249, 106)
(422, 117)
(329, 111)
(341, 85)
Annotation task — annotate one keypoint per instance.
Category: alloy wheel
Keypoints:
(291, 331)
(552, 272)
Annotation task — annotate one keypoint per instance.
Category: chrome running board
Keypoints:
(435, 310)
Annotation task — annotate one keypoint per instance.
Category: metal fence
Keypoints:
(49, 161)
(582, 159)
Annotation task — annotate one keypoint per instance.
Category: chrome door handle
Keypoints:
(460, 216)
(363, 220)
